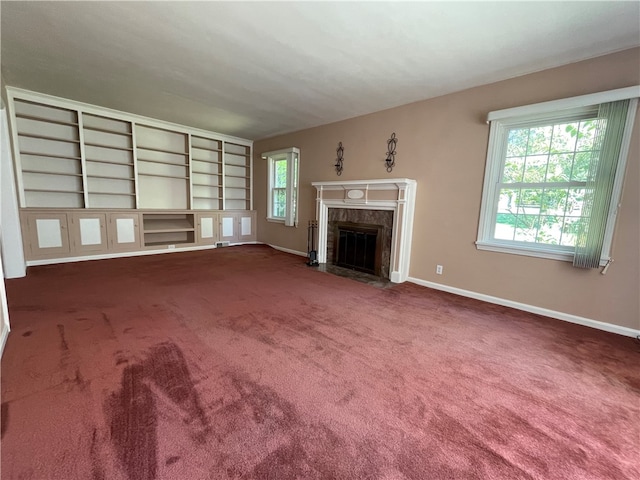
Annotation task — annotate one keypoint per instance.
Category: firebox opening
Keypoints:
(358, 247)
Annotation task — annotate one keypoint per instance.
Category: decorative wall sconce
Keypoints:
(390, 161)
(340, 159)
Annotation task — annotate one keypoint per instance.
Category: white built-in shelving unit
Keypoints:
(206, 173)
(108, 162)
(163, 168)
(237, 177)
(75, 155)
(51, 162)
(100, 182)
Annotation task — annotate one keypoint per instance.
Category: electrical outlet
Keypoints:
(171, 247)
(438, 269)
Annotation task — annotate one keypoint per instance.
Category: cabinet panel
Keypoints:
(238, 226)
(207, 224)
(228, 227)
(124, 231)
(247, 227)
(47, 235)
(89, 232)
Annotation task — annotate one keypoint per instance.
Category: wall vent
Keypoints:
(222, 244)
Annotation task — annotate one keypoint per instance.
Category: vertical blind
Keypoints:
(600, 183)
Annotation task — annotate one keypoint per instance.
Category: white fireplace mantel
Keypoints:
(395, 194)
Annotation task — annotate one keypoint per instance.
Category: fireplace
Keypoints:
(364, 221)
(358, 246)
(385, 206)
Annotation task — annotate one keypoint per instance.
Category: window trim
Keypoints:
(291, 155)
(501, 121)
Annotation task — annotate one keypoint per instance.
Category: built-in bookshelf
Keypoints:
(163, 168)
(74, 155)
(237, 177)
(109, 162)
(206, 173)
(51, 163)
(161, 229)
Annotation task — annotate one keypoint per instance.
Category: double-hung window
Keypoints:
(554, 175)
(282, 188)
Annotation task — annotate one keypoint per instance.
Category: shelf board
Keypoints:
(207, 173)
(245, 155)
(207, 149)
(111, 147)
(157, 225)
(204, 161)
(47, 137)
(168, 230)
(237, 176)
(43, 119)
(207, 198)
(161, 175)
(50, 155)
(206, 185)
(24, 170)
(106, 130)
(110, 162)
(227, 164)
(113, 193)
(52, 191)
(184, 154)
(163, 162)
(111, 177)
(166, 243)
(226, 187)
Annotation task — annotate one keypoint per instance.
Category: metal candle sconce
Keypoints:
(340, 159)
(390, 161)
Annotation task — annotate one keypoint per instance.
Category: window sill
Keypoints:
(525, 250)
(275, 220)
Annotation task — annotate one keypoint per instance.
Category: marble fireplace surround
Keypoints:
(395, 194)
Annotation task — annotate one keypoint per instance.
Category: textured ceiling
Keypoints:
(259, 69)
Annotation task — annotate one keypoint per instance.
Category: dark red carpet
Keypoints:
(243, 363)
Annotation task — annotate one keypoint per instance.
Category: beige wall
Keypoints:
(442, 143)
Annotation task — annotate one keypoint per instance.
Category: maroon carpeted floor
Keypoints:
(243, 363)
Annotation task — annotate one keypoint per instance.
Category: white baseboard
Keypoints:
(135, 253)
(288, 250)
(567, 317)
(3, 339)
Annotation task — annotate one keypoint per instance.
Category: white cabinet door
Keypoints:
(89, 232)
(247, 226)
(228, 227)
(47, 235)
(207, 228)
(124, 231)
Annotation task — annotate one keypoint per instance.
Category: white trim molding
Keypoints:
(135, 253)
(287, 250)
(567, 317)
(291, 156)
(566, 103)
(540, 114)
(395, 194)
(3, 340)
